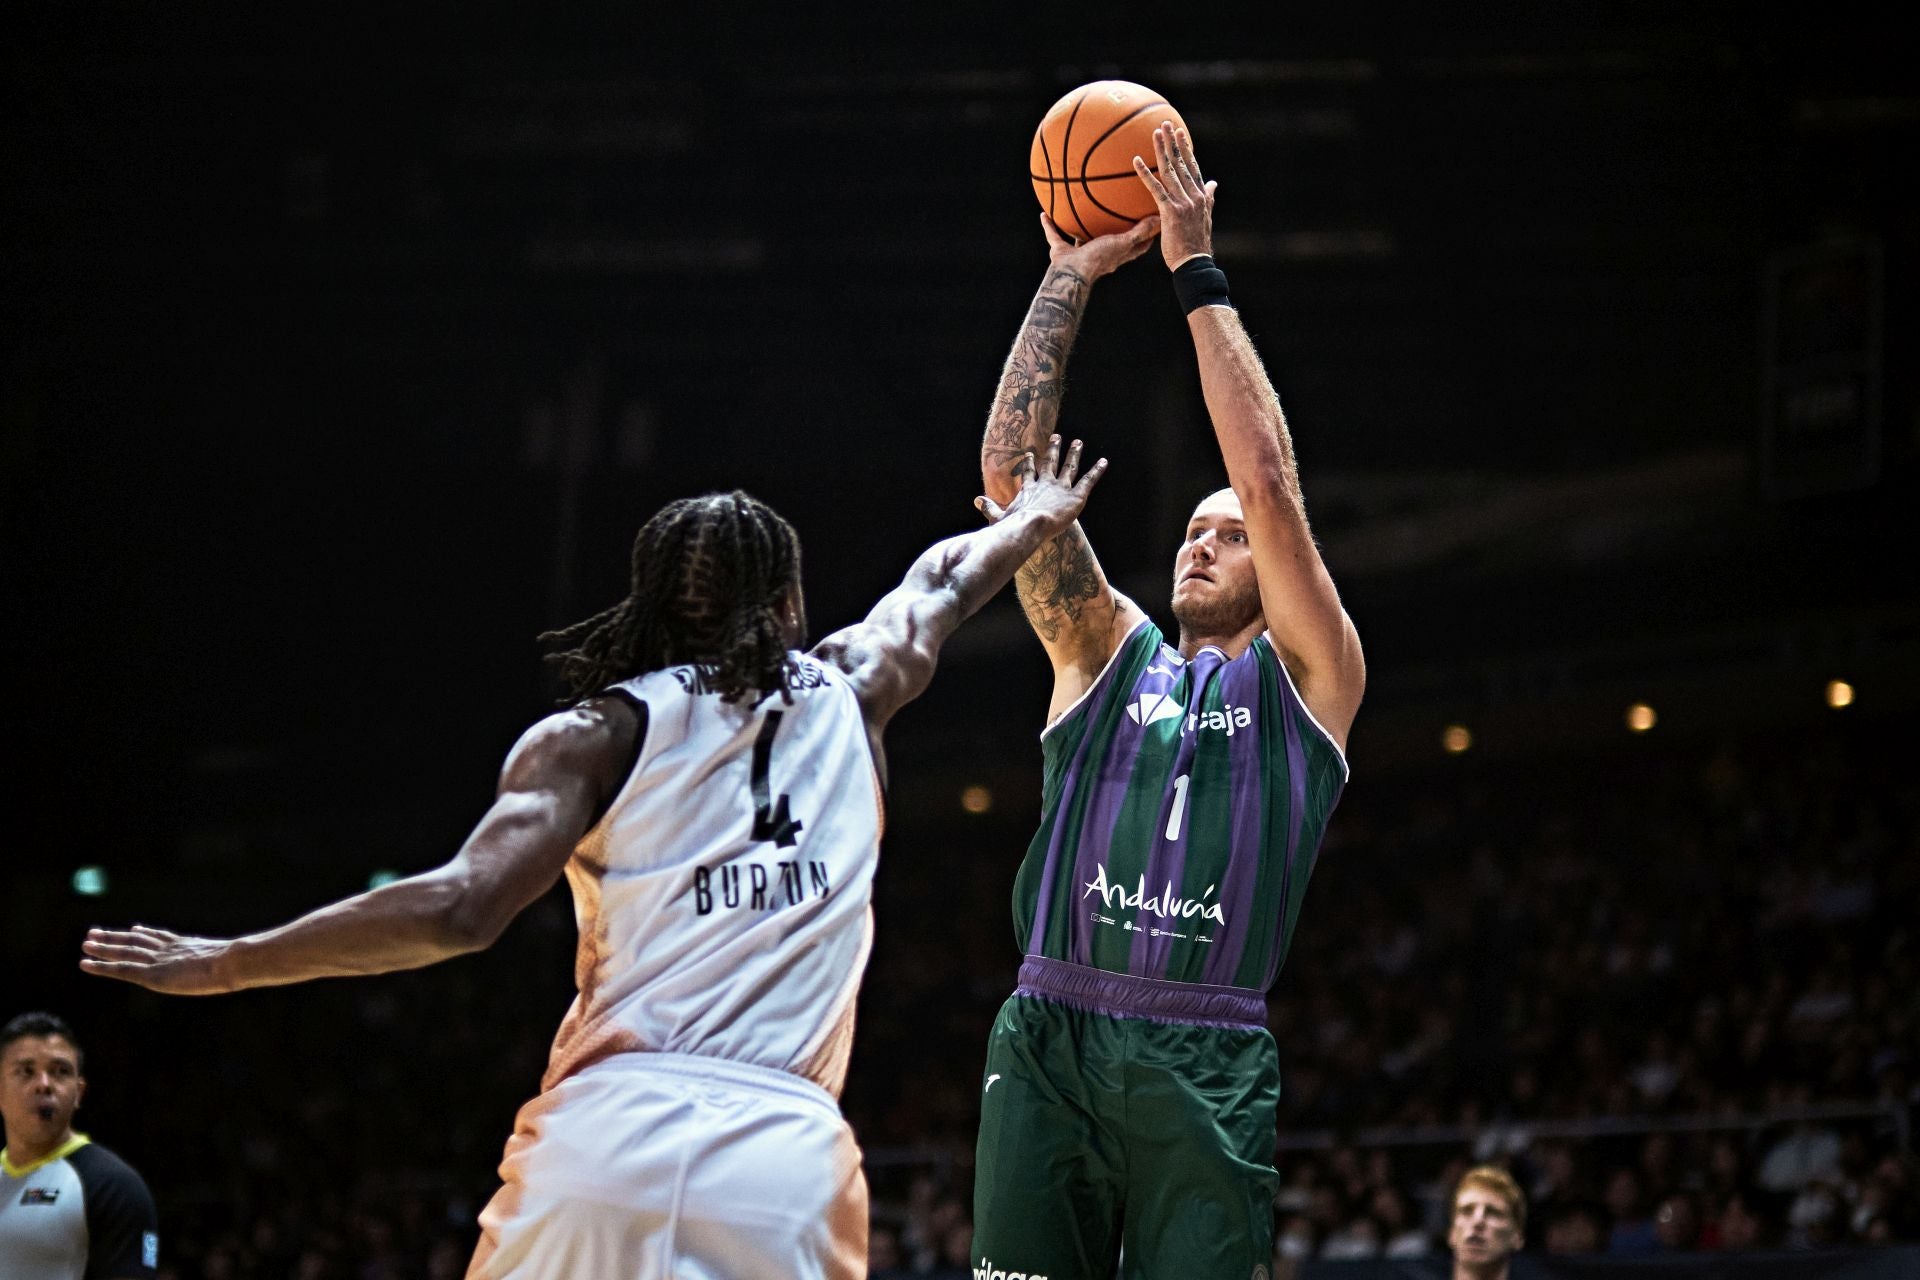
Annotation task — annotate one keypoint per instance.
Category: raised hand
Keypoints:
(1185, 199)
(1102, 254)
(1048, 490)
(170, 963)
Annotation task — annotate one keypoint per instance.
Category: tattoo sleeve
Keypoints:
(1060, 585)
(1027, 402)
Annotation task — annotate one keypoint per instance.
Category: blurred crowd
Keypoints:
(1676, 944)
(1674, 990)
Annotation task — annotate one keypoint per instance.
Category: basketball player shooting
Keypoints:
(714, 797)
(1130, 1087)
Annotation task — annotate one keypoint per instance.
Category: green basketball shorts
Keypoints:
(1113, 1134)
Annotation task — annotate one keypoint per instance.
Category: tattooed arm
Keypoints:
(889, 658)
(1077, 614)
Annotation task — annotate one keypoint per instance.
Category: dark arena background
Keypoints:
(345, 351)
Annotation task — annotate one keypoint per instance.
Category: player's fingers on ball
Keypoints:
(1054, 238)
(1146, 174)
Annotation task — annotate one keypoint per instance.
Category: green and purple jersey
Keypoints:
(1183, 808)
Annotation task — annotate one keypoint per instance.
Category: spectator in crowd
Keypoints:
(1361, 1237)
(1632, 1230)
(1489, 1222)
(1741, 1225)
(1808, 1152)
(1575, 1227)
(1401, 1238)
(1676, 1223)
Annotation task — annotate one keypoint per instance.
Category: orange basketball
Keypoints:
(1083, 156)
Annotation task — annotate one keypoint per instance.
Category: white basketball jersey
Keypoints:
(724, 898)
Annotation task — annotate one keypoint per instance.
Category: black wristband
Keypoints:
(1198, 283)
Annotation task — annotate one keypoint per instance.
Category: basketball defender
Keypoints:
(1128, 1105)
(714, 797)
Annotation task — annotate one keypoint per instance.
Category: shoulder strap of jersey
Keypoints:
(1125, 654)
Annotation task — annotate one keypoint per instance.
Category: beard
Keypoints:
(1218, 612)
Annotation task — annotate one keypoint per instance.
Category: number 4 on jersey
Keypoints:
(771, 820)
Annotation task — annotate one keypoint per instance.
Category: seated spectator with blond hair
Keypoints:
(1489, 1221)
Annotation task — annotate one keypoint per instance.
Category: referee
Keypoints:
(69, 1208)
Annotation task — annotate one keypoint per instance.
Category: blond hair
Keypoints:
(1491, 1177)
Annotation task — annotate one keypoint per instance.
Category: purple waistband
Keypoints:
(1126, 995)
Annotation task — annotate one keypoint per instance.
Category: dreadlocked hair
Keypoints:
(709, 578)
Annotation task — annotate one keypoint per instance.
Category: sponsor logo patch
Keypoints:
(39, 1195)
(1167, 904)
(1153, 707)
(987, 1271)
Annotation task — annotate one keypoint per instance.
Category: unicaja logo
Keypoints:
(1164, 904)
(1154, 707)
(1229, 718)
(987, 1271)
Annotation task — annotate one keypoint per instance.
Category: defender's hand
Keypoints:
(1102, 254)
(1048, 491)
(1185, 199)
(169, 963)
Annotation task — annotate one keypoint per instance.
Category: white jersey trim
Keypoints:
(1097, 680)
(1346, 771)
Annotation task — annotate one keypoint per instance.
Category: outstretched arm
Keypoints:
(1315, 637)
(889, 657)
(550, 790)
(1074, 610)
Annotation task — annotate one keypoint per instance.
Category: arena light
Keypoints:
(382, 877)
(1839, 694)
(90, 882)
(1455, 739)
(1641, 717)
(976, 799)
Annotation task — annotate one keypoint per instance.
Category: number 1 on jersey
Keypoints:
(1179, 806)
(771, 820)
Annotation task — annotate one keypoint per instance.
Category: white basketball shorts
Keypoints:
(645, 1166)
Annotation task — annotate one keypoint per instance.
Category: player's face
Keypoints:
(1483, 1227)
(1215, 591)
(40, 1088)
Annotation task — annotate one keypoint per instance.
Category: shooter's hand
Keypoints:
(1185, 199)
(170, 963)
(1048, 491)
(1102, 254)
